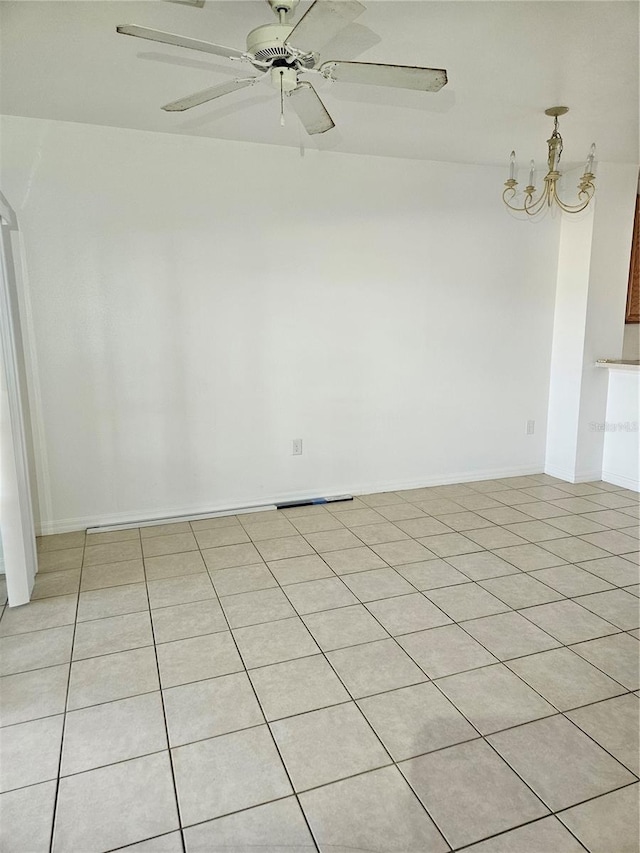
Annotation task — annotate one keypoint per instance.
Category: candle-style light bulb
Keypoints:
(512, 165)
(589, 166)
(532, 173)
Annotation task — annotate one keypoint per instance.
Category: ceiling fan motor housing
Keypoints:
(267, 43)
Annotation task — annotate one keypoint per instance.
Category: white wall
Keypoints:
(193, 305)
(631, 343)
(621, 457)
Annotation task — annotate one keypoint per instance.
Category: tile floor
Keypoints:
(437, 669)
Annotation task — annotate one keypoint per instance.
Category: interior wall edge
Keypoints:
(591, 476)
(620, 480)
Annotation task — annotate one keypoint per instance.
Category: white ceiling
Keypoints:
(506, 61)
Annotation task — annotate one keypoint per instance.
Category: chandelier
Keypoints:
(549, 194)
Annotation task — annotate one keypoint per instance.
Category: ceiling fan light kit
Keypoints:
(283, 51)
(549, 195)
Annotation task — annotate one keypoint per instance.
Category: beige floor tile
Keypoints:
(253, 608)
(529, 557)
(431, 574)
(608, 824)
(360, 517)
(353, 560)
(115, 552)
(197, 658)
(574, 549)
(544, 511)
(425, 526)
(30, 752)
(248, 762)
(229, 556)
(558, 762)
(208, 708)
(112, 732)
(23, 652)
(374, 811)
(375, 667)
(471, 792)
(111, 677)
(182, 621)
(276, 529)
(318, 523)
(173, 565)
(288, 546)
(277, 826)
(613, 724)
(443, 651)
(465, 601)
(520, 590)
(31, 695)
(110, 536)
(298, 569)
(345, 626)
(504, 515)
(450, 544)
(415, 720)
(219, 521)
(326, 745)
(495, 537)
(120, 804)
(297, 686)
(176, 543)
(570, 580)
(243, 579)
(618, 656)
(401, 512)
(168, 529)
(407, 613)
(216, 537)
(509, 635)
(377, 583)
(50, 584)
(536, 531)
(60, 541)
(26, 817)
(333, 540)
(112, 634)
(324, 594)
(493, 698)
(569, 622)
(181, 590)
(169, 843)
(616, 606)
(274, 642)
(618, 571)
(575, 525)
(114, 601)
(547, 835)
(482, 565)
(58, 561)
(399, 553)
(375, 534)
(112, 574)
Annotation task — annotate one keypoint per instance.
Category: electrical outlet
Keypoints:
(297, 447)
(531, 427)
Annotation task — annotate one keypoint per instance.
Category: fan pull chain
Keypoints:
(281, 99)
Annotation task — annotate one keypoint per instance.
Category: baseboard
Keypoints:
(573, 476)
(142, 516)
(620, 480)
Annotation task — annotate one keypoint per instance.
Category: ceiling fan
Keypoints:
(284, 51)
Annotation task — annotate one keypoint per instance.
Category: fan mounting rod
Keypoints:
(283, 8)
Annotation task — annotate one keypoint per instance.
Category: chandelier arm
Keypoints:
(535, 207)
(586, 193)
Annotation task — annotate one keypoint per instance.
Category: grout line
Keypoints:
(164, 710)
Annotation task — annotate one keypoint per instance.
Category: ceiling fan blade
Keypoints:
(198, 3)
(179, 41)
(208, 95)
(310, 109)
(377, 74)
(322, 21)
